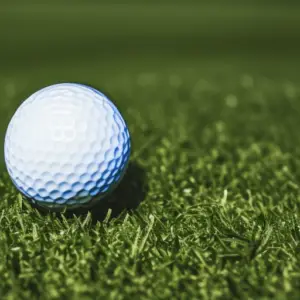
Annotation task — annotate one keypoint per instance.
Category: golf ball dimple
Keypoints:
(67, 146)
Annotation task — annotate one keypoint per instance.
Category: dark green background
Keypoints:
(40, 34)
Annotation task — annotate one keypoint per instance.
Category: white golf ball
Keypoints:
(66, 146)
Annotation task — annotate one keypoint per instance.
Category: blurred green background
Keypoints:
(95, 43)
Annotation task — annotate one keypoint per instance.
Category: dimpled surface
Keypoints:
(66, 146)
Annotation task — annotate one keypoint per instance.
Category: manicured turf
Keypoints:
(209, 207)
(215, 166)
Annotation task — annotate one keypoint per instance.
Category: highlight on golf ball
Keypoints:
(67, 146)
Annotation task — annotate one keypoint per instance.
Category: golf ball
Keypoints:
(66, 146)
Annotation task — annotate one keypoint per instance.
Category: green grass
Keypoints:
(215, 166)
(209, 206)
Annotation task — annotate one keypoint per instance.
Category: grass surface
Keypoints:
(209, 207)
(216, 168)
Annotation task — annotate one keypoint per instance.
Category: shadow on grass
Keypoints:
(127, 196)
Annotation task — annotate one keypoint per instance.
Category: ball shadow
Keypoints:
(128, 195)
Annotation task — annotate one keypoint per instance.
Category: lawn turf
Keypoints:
(209, 207)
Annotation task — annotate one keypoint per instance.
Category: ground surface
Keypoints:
(212, 191)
